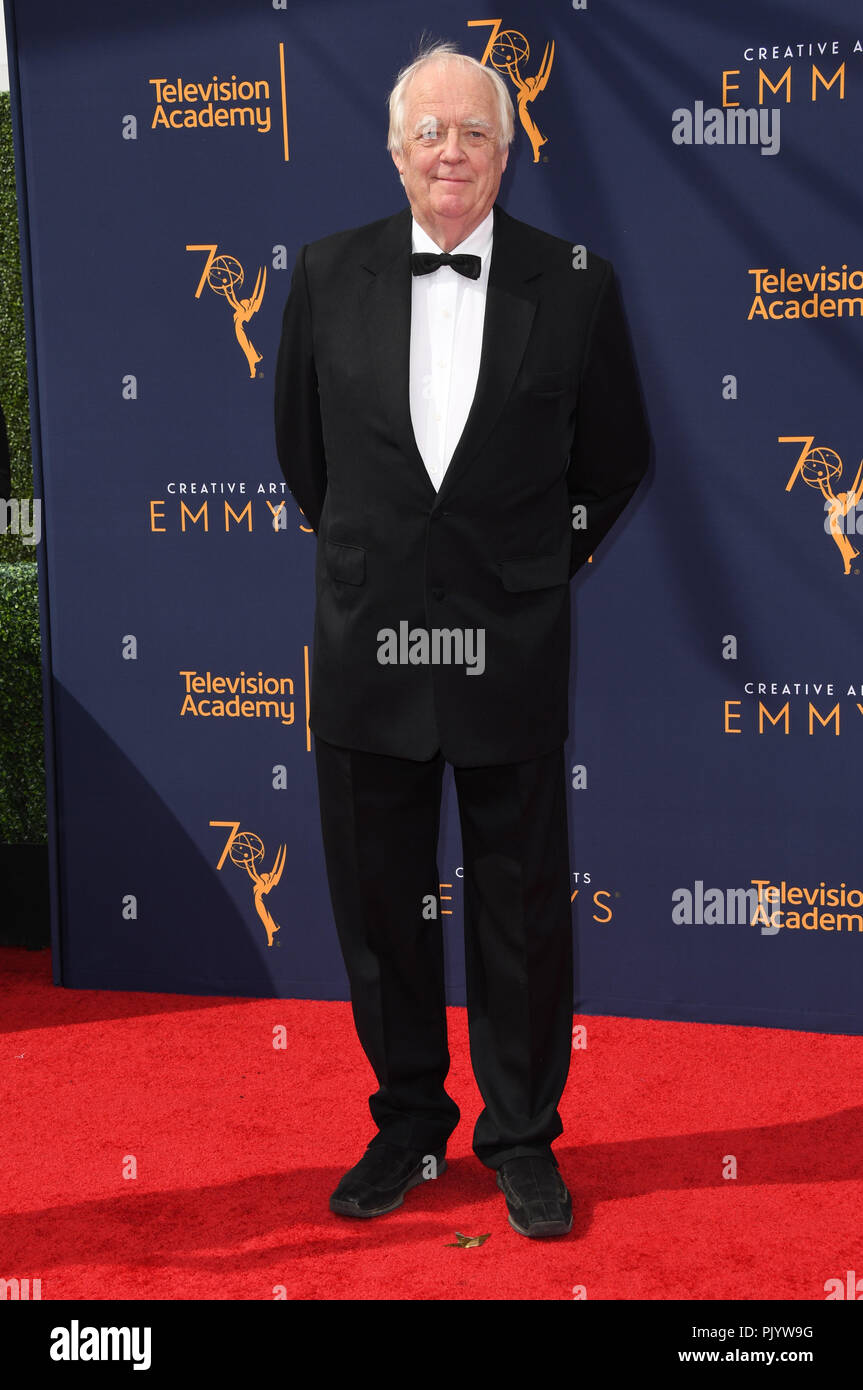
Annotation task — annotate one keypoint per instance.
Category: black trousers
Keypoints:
(380, 818)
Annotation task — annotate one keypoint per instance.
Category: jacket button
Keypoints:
(437, 593)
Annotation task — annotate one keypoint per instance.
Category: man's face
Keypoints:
(451, 161)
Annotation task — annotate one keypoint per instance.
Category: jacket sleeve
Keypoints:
(611, 447)
(299, 435)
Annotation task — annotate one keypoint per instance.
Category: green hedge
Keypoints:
(13, 354)
(22, 773)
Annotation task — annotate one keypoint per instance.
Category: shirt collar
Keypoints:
(477, 244)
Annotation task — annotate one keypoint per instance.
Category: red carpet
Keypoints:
(238, 1146)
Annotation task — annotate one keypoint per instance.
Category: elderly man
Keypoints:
(459, 418)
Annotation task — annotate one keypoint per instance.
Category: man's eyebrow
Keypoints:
(425, 121)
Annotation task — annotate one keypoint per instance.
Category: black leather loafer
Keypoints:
(537, 1200)
(378, 1183)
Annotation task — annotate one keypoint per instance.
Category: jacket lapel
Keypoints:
(510, 306)
(387, 311)
(513, 288)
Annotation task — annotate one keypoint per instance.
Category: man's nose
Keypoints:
(452, 148)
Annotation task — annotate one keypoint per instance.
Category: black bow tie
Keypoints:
(424, 262)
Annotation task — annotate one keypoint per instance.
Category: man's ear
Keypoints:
(398, 162)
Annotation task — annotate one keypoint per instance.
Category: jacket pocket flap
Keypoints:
(347, 563)
(536, 571)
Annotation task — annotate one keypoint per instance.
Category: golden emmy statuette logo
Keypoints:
(225, 276)
(508, 50)
(819, 468)
(246, 850)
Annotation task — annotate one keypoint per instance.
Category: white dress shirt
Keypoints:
(447, 314)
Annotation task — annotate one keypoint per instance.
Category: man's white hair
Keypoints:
(447, 53)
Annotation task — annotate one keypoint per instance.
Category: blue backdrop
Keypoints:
(170, 167)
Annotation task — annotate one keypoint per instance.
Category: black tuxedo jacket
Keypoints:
(556, 424)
